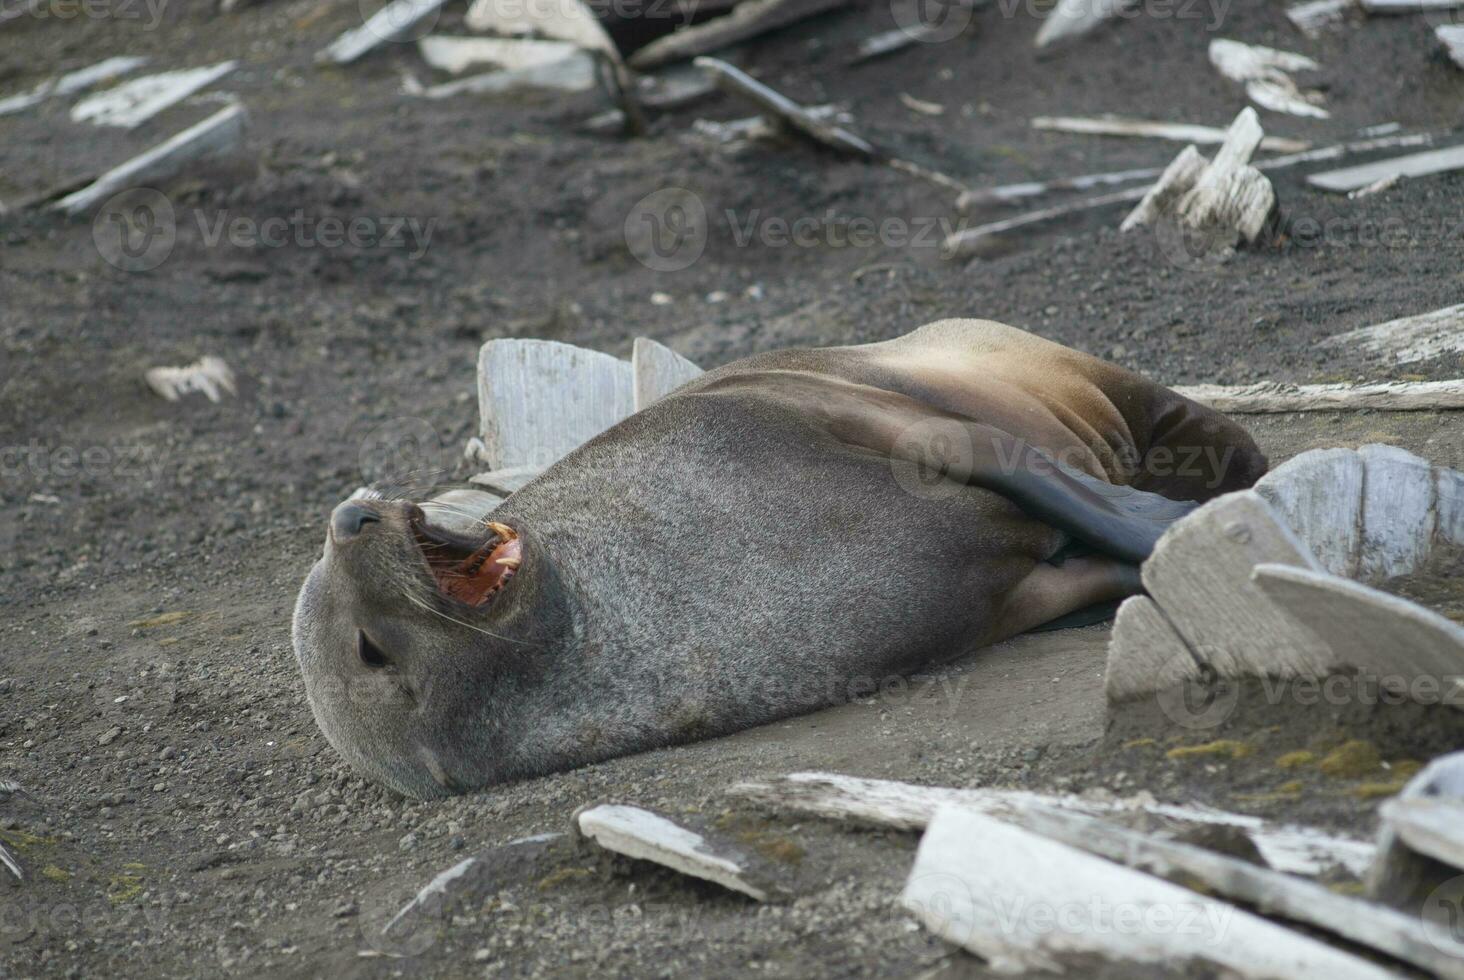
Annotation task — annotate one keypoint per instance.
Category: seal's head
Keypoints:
(403, 634)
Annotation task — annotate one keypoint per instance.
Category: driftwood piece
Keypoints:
(1071, 19)
(1160, 200)
(71, 83)
(1404, 647)
(1408, 339)
(888, 42)
(976, 880)
(394, 22)
(539, 400)
(905, 806)
(1145, 653)
(1199, 574)
(1270, 397)
(658, 371)
(747, 20)
(738, 82)
(1266, 75)
(1178, 132)
(217, 134)
(573, 73)
(1398, 516)
(1408, 6)
(1268, 892)
(1449, 505)
(1431, 827)
(1399, 875)
(456, 55)
(1451, 36)
(1315, 16)
(1442, 161)
(135, 102)
(1319, 495)
(648, 836)
(208, 375)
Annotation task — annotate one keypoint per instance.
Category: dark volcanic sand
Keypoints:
(195, 823)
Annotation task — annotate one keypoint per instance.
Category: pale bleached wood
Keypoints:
(1268, 892)
(469, 881)
(462, 511)
(1177, 180)
(659, 370)
(1408, 339)
(209, 375)
(1272, 397)
(572, 73)
(976, 882)
(1409, 6)
(569, 20)
(135, 102)
(1402, 646)
(905, 806)
(1432, 162)
(1145, 654)
(1266, 75)
(1199, 574)
(1449, 498)
(1178, 132)
(1432, 827)
(648, 836)
(509, 480)
(1451, 36)
(747, 20)
(72, 82)
(1074, 18)
(1230, 193)
(1314, 17)
(456, 55)
(1399, 875)
(1319, 496)
(738, 82)
(393, 22)
(217, 134)
(1398, 514)
(539, 400)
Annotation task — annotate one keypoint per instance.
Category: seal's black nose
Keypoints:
(349, 518)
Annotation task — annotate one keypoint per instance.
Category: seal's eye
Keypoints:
(370, 653)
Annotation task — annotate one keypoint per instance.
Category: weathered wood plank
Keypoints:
(1398, 516)
(71, 82)
(394, 22)
(648, 836)
(1071, 19)
(572, 73)
(1318, 494)
(976, 880)
(1178, 132)
(1177, 180)
(1230, 193)
(1408, 6)
(1270, 397)
(1145, 654)
(133, 103)
(1451, 36)
(1432, 827)
(1314, 17)
(1408, 339)
(456, 55)
(905, 806)
(1399, 875)
(1200, 576)
(1441, 161)
(539, 400)
(1399, 644)
(658, 370)
(738, 82)
(217, 134)
(747, 20)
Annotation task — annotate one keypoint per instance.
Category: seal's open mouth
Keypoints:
(465, 570)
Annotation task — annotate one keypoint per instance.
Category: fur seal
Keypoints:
(747, 547)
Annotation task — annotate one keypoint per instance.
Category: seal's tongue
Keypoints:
(476, 578)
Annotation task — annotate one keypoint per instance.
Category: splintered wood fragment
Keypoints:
(1199, 575)
(1404, 647)
(1178, 132)
(539, 400)
(1315, 16)
(976, 878)
(573, 73)
(1074, 18)
(738, 82)
(675, 87)
(968, 241)
(1451, 36)
(71, 82)
(1011, 193)
(135, 102)
(1319, 495)
(209, 375)
(1401, 876)
(905, 806)
(456, 55)
(1376, 187)
(747, 20)
(1271, 397)
(888, 42)
(1266, 75)
(658, 371)
(219, 133)
(1408, 6)
(1432, 827)
(1403, 937)
(1177, 180)
(394, 22)
(1408, 339)
(648, 836)
(570, 21)
(1145, 654)
(1425, 164)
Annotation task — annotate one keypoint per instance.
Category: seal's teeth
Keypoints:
(509, 562)
(502, 530)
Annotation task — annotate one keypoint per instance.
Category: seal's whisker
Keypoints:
(438, 612)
